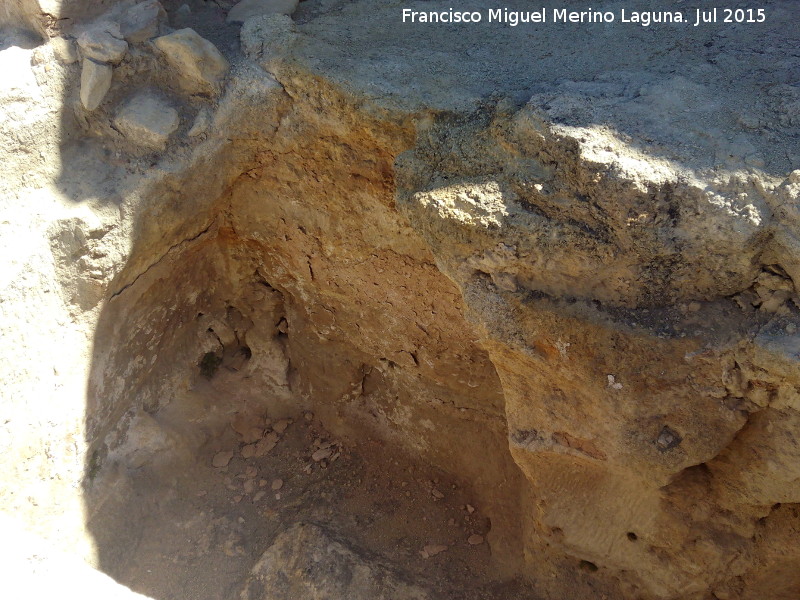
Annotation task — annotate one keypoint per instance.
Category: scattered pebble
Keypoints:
(263, 483)
(240, 520)
(437, 494)
(221, 459)
(612, 383)
(251, 471)
(280, 426)
(277, 484)
(309, 416)
(249, 486)
(249, 451)
(267, 444)
(470, 508)
(201, 493)
(432, 550)
(237, 499)
(475, 540)
(259, 495)
(321, 454)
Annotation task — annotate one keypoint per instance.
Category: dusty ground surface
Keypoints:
(197, 532)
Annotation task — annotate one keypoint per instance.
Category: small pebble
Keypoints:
(277, 484)
(475, 540)
(309, 416)
(237, 499)
(432, 550)
(259, 495)
(470, 508)
(280, 426)
(263, 483)
(221, 459)
(249, 451)
(249, 486)
(437, 494)
(321, 454)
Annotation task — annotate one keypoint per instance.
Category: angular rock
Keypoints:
(256, 8)
(103, 42)
(305, 562)
(222, 458)
(197, 61)
(147, 120)
(95, 83)
(141, 22)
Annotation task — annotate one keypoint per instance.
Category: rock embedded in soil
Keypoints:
(95, 83)
(307, 562)
(103, 42)
(141, 22)
(147, 120)
(198, 63)
(475, 540)
(222, 458)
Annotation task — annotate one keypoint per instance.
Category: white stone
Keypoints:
(201, 124)
(140, 22)
(103, 42)
(196, 60)
(147, 120)
(256, 8)
(95, 83)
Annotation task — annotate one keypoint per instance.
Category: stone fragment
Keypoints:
(251, 471)
(147, 120)
(432, 550)
(201, 123)
(280, 426)
(249, 451)
(222, 458)
(256, 8)
(277, 484)
(321, 454)
(140, 23)
(470, 508)
(305, 562)
(249, 486)
(95, 83)
(475, 540)
(259, 496)
(103, 42)
(437, 494)
(267, 444)
(197, 61)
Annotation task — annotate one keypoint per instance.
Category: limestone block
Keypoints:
(148, 121)
(256, 8)
(103, 42)
(95, 83)
(197, 61)
(141, 22)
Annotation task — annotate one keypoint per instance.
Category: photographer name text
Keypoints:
(694, 17)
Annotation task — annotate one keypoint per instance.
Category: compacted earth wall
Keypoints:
(554, 269)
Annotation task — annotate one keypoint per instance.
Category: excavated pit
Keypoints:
(363, 311)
